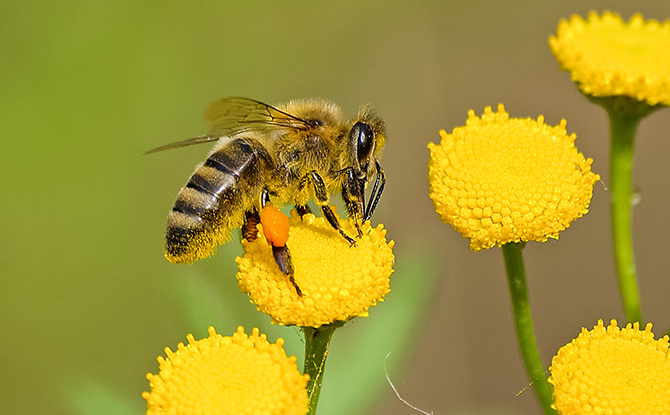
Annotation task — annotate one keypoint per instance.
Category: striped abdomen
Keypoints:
(214, 200)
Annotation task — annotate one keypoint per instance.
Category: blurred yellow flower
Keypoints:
(220, 375)
(499, 179)
(609, 57)
(338, 281)
(612, 371)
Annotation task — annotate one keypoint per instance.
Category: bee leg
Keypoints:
(321, 198)
(283, 260)
(249, 230)
(265, 197)
(353, 193)
(303, 210)
(332, 219)
(281, 253)
(378, 189)
(252, 218)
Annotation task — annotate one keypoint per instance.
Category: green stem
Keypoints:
(317, 341)
(516, 275)
(623, 128)
(625, 114)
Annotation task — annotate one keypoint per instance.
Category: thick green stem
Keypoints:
(516, 275)
(317, 341)
(623, 128)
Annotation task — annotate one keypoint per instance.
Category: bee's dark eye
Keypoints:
(365, 139)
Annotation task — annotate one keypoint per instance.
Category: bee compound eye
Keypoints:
(364, 137)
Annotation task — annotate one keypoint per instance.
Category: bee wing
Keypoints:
(235, 115)
(195, 140)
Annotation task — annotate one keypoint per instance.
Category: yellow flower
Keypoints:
(608, 57)
(338, 281)
(220, 375)
(612, 371)
(499, 179)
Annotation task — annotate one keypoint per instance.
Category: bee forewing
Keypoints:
(234, 115)
(189, 142)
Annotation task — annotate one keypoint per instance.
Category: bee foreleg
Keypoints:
(353, 193)
(380, 183)
(321, 198)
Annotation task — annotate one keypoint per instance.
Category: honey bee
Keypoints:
(288, 154)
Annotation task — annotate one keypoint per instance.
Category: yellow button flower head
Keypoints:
(609, 57)
(338, 281)
(499, 179)
(220, 375)
(612, 371)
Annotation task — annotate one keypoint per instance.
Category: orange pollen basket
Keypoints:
(275, 225)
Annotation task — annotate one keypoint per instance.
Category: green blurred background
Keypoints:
(87, 300)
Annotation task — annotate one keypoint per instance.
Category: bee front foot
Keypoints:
(352, 241)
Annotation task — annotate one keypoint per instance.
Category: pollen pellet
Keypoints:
(275, 225)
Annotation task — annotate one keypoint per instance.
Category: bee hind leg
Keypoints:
(281, 253)
(283, 260)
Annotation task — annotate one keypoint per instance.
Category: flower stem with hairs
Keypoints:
(516, 275)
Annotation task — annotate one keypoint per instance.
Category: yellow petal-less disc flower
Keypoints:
(609, 57)
(219, 375)
(499, 179)
(612, 371)
(338, 281)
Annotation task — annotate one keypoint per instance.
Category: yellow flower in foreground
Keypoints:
(338, 281)
(608, 57)
(220, 375)
(612, 371)
(499, 179)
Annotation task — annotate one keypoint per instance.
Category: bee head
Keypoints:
(366, 138)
